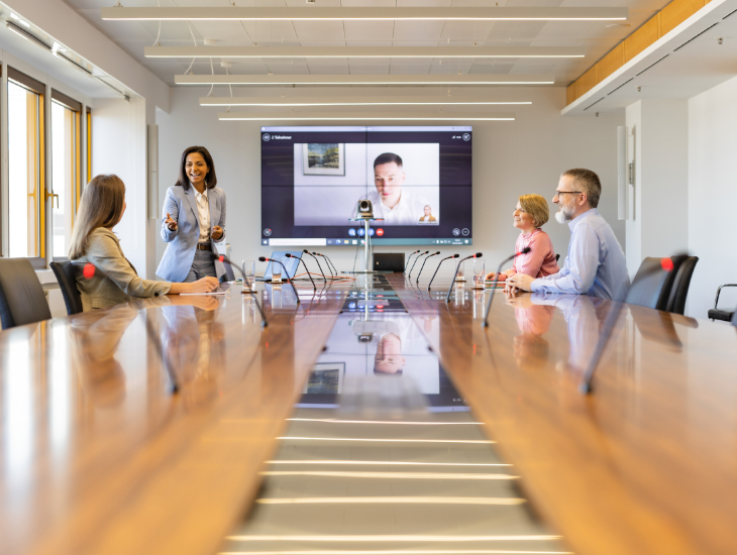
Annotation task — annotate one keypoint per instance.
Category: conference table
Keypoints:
(144, 428)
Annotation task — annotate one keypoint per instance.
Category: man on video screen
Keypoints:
(396, 205)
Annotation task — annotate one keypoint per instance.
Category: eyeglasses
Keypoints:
(568, 192)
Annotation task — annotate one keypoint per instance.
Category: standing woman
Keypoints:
(194, 219)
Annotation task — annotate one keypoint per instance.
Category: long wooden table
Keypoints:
(99, 457)
(646, 464)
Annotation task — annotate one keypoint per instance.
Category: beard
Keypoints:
(562, 216)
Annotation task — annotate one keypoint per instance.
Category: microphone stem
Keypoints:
(327, 263)
(422, 268)
(408, 259)
(318, 265)
(330, 262)
(450, 289)
(436, 271)
(287, 278)
(493, 289)
(264, 323)
(413, 265)
(308, 274)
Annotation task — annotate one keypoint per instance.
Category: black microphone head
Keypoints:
(478, 255)
(437, 253)
(262, 259)
(305, 251)
(316, 253)
(216, 256)
(525, 250)
(426, 252)
(455, 256)
(290, 256)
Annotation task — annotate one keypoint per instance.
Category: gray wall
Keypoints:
(510, 159)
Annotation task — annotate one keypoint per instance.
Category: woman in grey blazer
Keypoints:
(113, 280)
(193, 220)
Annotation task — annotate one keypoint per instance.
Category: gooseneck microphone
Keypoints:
(225, 260)
(330, 262)
(452, 283)
(423, 266)
(410, 256)
(314, 287)
(415, 262)
(496, 280)
(318, 264)
(313, 253)
(264, 259)
(436, 269)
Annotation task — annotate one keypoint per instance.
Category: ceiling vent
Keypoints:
(620, 86)
(590, 105)
(651, 65)
(696, 36)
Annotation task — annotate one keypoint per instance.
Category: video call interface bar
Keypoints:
(418, 179)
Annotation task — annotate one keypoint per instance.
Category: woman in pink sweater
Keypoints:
(530, 215)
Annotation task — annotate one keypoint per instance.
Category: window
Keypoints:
(66, 158)
(26, 177)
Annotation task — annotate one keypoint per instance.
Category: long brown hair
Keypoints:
(101, 206)
(211, 179)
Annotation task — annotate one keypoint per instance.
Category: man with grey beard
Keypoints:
(595, 264)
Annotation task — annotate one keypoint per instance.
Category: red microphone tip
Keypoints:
(667, 264)
(89, 271)
(222, 258)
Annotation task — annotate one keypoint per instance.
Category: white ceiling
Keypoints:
(597, 37)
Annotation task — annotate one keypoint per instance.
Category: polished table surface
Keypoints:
(98, 455)
(647, 463)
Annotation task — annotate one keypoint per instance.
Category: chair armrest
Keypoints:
(716, 301)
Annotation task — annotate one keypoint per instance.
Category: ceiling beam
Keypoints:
(434, 79)
(233, 13)
(362, 52)
(356, 101)
(362, 116)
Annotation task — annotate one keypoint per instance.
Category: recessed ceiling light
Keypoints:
(352, 79)
(363, 116)
(360, 101)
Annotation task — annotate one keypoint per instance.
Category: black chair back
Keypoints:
(66, 275)
(652, 285)
(734, 318)
(682, 281)
(22, 299)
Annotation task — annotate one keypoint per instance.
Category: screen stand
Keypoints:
(367, 238)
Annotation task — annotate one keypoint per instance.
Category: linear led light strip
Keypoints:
(233, 13)
(390, 475)
(379, 440)
(387, 463)
(435, 79)
(508, 501)
(409, 538)
(332, 421)
(402, 552)
(361, 52)
(361, 116)
(357, 101)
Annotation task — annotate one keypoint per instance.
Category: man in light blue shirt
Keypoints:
(595, 265)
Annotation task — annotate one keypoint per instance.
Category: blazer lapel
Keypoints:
(189, 193)
(214, 209)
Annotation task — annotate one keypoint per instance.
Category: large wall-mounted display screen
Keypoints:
(418, 180)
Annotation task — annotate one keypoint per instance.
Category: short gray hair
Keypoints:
(588, 182)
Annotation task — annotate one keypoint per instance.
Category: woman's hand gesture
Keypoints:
(204, 285)
(217, 232)
(171, 224)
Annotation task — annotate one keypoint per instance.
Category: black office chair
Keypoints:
(652, 285)
(723, 315)
(557, 257)
(22, 299)
(65, 273)
(679, 291)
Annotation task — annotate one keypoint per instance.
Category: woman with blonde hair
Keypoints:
(93, 242)
(530, 215)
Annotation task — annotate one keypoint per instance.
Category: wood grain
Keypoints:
(646, 464)
(99, 457)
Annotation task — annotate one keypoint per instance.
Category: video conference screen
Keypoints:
(418, 180)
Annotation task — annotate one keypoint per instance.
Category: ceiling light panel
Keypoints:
(363, 116)
(355, 101)
(367, 14)
(450, 79)
(362, 52)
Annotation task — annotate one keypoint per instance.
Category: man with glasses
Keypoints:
(595, 265)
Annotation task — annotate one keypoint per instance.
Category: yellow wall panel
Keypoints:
(610, 63)
(586, 82)
(570, 93)
(677, 12)
(638, 41)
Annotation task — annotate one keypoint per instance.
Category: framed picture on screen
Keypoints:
(323, 159)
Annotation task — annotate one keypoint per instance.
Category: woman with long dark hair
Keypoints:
(193, 220)
(115, 280)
